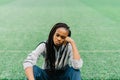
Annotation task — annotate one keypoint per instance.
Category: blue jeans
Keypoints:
(68, 74)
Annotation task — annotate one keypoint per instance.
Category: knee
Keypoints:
(36, 71)
(35, 68)
(75, 74)
(75, 71)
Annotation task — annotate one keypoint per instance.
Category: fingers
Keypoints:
(69, 39)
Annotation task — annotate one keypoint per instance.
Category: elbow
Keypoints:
(77, 64)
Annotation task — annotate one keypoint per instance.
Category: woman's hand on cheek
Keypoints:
(69, 39)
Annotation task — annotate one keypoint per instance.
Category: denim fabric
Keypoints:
(68, 74)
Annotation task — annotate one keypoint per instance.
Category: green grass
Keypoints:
(108, 8)
(94, 25)
(104, 65)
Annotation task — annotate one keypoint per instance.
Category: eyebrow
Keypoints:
(60, 35)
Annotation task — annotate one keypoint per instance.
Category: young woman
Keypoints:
(62, 59)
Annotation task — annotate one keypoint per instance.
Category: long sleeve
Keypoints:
(33, 56)
(76, 64)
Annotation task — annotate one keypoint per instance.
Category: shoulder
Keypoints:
(69, 45)
(41, 45)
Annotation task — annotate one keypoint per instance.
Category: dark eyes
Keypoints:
(63, 37)
(57, 35)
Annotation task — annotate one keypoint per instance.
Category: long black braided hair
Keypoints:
(50, 56)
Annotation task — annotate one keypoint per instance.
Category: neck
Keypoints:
(57, 47)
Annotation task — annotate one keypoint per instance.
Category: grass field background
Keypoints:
(95, 28)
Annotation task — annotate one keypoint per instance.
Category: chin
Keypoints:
(57, 44)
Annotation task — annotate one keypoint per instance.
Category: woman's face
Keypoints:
(59, 36)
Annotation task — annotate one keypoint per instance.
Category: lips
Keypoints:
(57, 43)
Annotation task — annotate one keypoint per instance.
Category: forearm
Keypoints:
(29, 73)
(76, 54)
